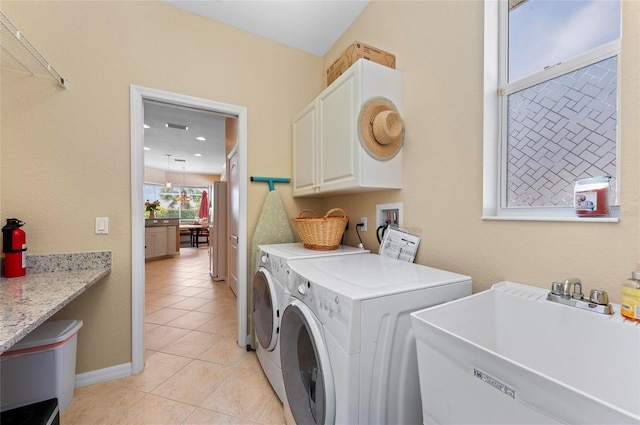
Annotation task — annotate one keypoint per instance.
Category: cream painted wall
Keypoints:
(66, 153)
(439, 49)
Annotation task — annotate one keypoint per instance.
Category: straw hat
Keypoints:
(380, 128)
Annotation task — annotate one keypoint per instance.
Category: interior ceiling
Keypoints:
(160, 140)
(309, 25)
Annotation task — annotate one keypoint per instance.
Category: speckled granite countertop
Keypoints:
(51, 282)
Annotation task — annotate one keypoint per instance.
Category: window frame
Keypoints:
(496, 91)
(178, 189)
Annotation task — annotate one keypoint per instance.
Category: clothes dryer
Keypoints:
(347, 348)
(270, 297)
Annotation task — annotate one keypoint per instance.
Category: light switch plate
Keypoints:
(102, 225)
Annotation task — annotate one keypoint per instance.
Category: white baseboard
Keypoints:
(103, 375)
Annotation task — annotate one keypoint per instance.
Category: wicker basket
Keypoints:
(321, 233)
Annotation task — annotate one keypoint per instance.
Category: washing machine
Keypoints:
(347, 348)
(270, 297)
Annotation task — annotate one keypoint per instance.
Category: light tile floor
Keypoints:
(195, 373)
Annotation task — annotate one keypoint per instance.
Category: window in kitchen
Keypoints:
(175, 202)
(551, 103)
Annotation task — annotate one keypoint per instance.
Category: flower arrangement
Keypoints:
(152, 206)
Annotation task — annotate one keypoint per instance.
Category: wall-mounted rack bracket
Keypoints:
(270, 180)
(19, 55)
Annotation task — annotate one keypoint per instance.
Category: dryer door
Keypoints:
(265, 309)
(306, 369)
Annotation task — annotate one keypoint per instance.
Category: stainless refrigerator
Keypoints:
(218, 232)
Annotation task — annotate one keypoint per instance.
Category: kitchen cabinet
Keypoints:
(328, 158)
(159, 241)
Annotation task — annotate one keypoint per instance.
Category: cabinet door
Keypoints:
(160, 242)
(337, 135)
(171, 240)
(305, 152)
(148, 245)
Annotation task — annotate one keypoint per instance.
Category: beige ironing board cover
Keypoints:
(273, 227)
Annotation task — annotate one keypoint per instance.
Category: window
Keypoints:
(171, 203)
(550, 103)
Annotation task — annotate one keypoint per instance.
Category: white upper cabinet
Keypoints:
(304, 151)
(328, 158)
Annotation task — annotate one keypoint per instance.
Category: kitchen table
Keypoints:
(194, 230)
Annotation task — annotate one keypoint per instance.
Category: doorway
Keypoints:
(137, 97)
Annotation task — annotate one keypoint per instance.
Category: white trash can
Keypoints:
(41, 366)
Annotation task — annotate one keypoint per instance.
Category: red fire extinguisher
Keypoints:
(14, 246)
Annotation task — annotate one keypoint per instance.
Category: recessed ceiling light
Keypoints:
(146, 126)
(202, 139)
(197, 154)
(147, 149)
(177, 126)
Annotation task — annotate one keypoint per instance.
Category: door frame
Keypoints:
(137, 95)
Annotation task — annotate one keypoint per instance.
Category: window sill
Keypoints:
(566, 219)
(565, 215)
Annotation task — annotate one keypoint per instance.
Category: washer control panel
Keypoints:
(335, 311)
(275, 264)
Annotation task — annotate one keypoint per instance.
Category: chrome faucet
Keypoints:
(570, 293)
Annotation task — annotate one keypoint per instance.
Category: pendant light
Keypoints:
(183, 193)
(168, 184)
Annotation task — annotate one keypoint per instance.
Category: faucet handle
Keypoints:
(598, 296)
(556, 288)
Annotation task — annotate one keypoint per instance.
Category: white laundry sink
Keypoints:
(507, 355)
